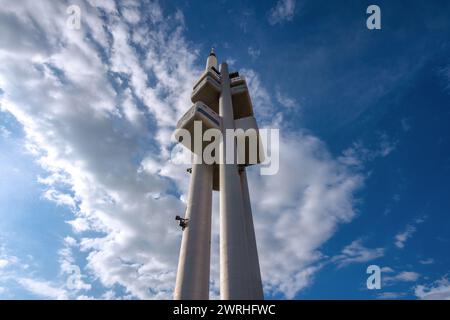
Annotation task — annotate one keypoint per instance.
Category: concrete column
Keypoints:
(256, 283)
(194, 263)
(234, 268)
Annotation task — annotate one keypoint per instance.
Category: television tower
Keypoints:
(221, 101)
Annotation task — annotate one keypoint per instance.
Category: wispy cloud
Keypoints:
(391, 277)
(426, 261)
(404, 276)
(69, 284)
(43, 289)
(386, 145)
(387, 270)
(402, 237)
(359, 154)
(4, 133)
(75, 278)
(284, 100)
(356, 252)
(284, 10)
(7, 260)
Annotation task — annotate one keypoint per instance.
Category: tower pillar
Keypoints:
(192, 281)
(235, 270)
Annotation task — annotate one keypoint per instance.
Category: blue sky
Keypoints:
(89, 188)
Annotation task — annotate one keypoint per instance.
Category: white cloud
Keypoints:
(107, 151)
(72, 119)
(3, 263)
(69, 241)
(60, 198)
(23, 272)
(43, 289)
(298, 210)
(7, 260)
(402, 237)
(131, 15)
(265, 112)
(284, 10)
(357, 253)
(359, 154)
(387, 146)
(79, 224)
(108, 5)
(84, 297)
(439, 290)
(387, 270)
(4, 133)
(404, 276)
(407, 276)
(426, 261)
(75, 279)
(284, 100)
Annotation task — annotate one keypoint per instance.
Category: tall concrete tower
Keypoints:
(222, 102)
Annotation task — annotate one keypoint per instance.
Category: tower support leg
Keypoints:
(194, 263)
(236, 279)
(256, 283)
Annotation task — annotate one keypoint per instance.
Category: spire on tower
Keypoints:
(212, 59)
